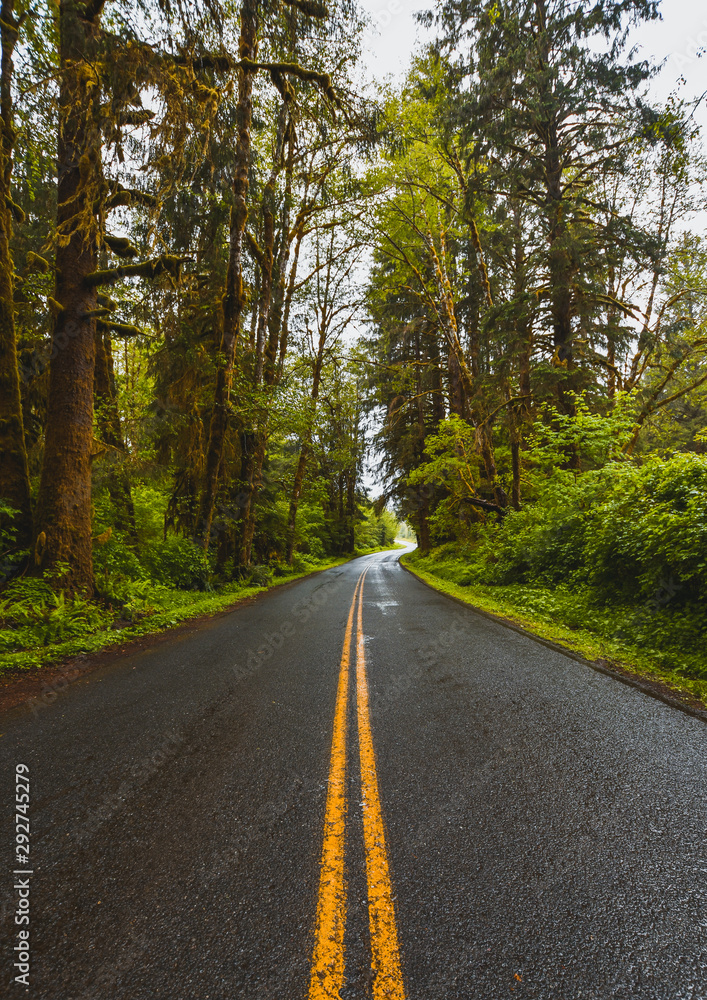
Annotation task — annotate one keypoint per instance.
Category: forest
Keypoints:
(258, 316)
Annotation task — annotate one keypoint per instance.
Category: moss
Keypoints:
(120, 246)
(36, 263)
(17, 212)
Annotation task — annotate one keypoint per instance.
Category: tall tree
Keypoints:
(63, 515)
(334, 305)
(251, 24)
(233, 300)
(102, 75)
(547, 90)
(14, 470)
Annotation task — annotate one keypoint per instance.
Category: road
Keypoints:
(437, 808)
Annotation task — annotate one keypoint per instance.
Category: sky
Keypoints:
(678, 39)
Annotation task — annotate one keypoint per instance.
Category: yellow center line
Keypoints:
(328, 958)
(388, 981)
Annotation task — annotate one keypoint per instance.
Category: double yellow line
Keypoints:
(327, 976)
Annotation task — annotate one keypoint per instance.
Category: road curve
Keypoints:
(355, 787)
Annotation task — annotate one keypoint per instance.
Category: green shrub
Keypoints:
(543, 541)
(31, 614)
(178, 562)
(630, 531)
(649, 530)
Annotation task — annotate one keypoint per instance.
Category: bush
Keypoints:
(650, 529)
(626, 530)
(32, 614)
(178, 562)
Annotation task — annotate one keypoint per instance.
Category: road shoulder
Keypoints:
(571, 644)
(42, 683)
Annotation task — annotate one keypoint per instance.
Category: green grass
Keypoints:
(576, 620)
(38, 627)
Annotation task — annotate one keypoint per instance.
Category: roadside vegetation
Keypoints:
(172, 580)
(610, 563)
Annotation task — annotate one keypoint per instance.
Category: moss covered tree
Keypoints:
(14, 471)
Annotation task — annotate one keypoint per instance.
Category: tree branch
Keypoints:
(128, 196)
(254, 248)
(122, 329)
(308, 7)
(226, 64)
(166, 264)
(486, 505)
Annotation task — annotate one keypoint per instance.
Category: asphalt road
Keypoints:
(203, 830)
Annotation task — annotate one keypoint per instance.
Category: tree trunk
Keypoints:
(63, 517)
(255, 466)
(285, 322)
(304, 450)
(516, 437)
(266, 274)
(14, 472)
(295, 498)
(561, 274)
(269, 314)
(233, 298)
(611, 361)
(108, 419)
(264, 367)
(519, 414)
(271, 299)
(515, 466)
(423, 531)
(351, 510)
(282, 296)
(456, 389)
(484, 441)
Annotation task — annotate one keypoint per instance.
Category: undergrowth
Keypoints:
(39, 626)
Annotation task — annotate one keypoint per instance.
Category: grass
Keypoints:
(39, 627)
(577, 621)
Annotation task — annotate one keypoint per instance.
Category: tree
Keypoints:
(251, 24)
(333, 307)
(63, 515)
(98, 71)
(545, 99)
(14, 470)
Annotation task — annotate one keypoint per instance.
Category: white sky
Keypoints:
(678, 39)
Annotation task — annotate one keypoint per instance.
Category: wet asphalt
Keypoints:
(546, 825)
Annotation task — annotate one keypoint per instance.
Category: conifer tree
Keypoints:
(14, 471)
(546, 87)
